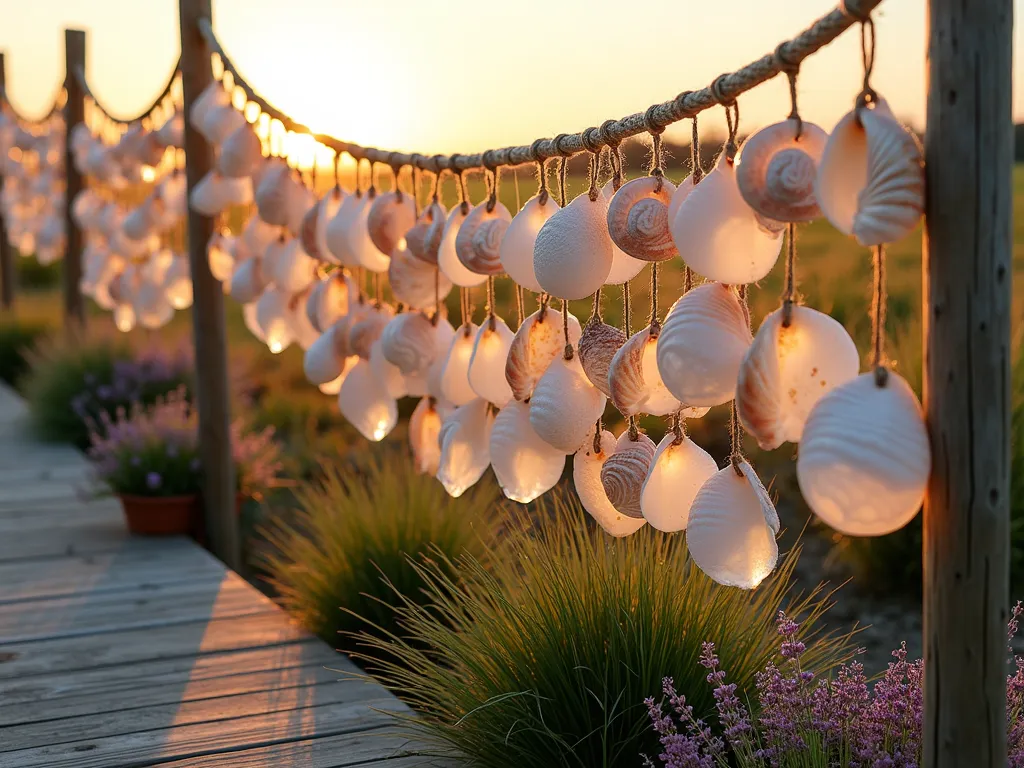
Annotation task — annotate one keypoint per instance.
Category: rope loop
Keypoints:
(718, 95)
(732, 120)
(650, 122)
(594, 190)
(489, 165)
(605, 134)
(535, 152)
(463, 194)
(852, 9)
(591, 138)
(867, 53)
(558, 145)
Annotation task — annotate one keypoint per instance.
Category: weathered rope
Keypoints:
(878, 308)
(789, 286)
(79, 74)
(565, 329)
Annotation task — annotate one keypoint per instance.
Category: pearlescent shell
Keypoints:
(293, 270)
(320, 363)
(634, 384)
(702, 343)
(215, 193)
(638, 219)
(525, 465)
(565, 405)
(677, 473)
(787, 370)
(624, 472)
(365, 405)
(871, 177)
(275, 194)
(257, 235)
(241, 153)
(219, 123)
(368, 329)
(487, 365)
(424, 239)
(305, 333)
(390, 378)
(307, 232)
(336, 232)
(333, 387)
(465, 446)
(719, 236)
(455, 386)
(448, 259)
(775, 170)
(357, 238)
(329, 206)
(520, 238)
(864, 458)
(415, 282)
(409, 342)
(424, 435)
(538, 341)
(597, 347)
(586, 476)
(624, 267)
(391, 215)
(272, 317)
(247, 282)
(572, 255)
(221, 250)
(478, 240)
(329, 300)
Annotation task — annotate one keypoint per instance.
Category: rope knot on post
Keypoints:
(591, 138)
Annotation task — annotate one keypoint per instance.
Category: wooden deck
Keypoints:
(123, 652)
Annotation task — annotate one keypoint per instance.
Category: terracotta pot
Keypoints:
(160, 515)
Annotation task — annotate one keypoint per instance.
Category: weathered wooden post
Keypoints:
(207, 307)
(968, 272)
(6, 262)
(74, 113)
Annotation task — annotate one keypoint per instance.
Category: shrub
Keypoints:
(16, 339)
(31, 275)
(544, 657)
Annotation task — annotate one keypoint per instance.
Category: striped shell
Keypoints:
(487, 365)
(597, 347)
(454, 382)
(525, 465)
(424, 239)
(572, 256)
(517, 245)
(368, 329)
(565, 405)
(416, 282)
(478, 242)
(678, 471)
(634, 384)
(391, 215)
(365, 404)
(586, 477)
(408, 342)
(465, 446)
(776, 168)
(447, 257)
(242, 152)
(624, 472)
(624, 267)
(638, 219)
(539, 340)
(424, 435)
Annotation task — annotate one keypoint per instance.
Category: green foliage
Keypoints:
(30, 275)
(16, 339)
(543, 655)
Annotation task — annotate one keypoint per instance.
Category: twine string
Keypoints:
(598, 429)
(520, 304)
(678, 428)
(791, 69)
(789, 289)
(542, 177)
(867, 55)
(655, 323)
(736, 438)
(879, 302)
(463, 195)
(378, 290)
(492, 199)
(435, 187)
(595, 309)
(594, 191)
(561, 181)
(515, 183)
(632, 429)
(337, 170)
(625, 309)
(565, 329)
(657, 170)
(492, 318)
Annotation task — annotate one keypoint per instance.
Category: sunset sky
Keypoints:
(465, 75)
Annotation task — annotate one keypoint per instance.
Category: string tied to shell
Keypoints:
(492, 182)
(657, 169)
(867, 95)
(568, 353)
(791, 70)
(732, 114)
(542, 172)
(879, 302)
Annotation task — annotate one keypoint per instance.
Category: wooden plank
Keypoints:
(79, 471)
(25, 520)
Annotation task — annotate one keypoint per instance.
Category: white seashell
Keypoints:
(732, 528)
(390, 216)
(787, 370)
(307, 232)
(414, 281)
(719, 236)
(144, 220)
(424, 435)
(220, 255)
(329, 300)
(424, 238)
(272, 316)
(249, 317)
(487, 364)
(344, 325)
(215, 193)
(634, 384)
(573, 252)
(448, 259)
(212, 96)
(333, 387)
(776, 168)
(624, 472)
(336, 230)
(358, 245)
(586, 475)
(277, 194)
(219, 122)
(367, 329)
(321, 363)
(177, 282)
(517, 245)
(624, 267)
(465, 446)
(444, 336)
(478, 241)
(638, 219)
(302, 330)
(258, 235)
(539, 340)
(241, 154)
(702, 343)
(598, 345)
(409, 342)
(525, 465)
(454, 382)
(864, 457)
(329, 206)
(364, 403)
(390, 378)
(678, 471)
(247, 282)
(292, 269)
(870, 180)
(565, 405)
(172, 133)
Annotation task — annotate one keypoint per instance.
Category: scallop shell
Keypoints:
(487, 364)
(336, 231)
(572, 256)
(478, 241)
(624, 472)
(343, 328)
(368, 329)
(776, 168)
(278, 195)
(329, 206)
(247, 282)
(365, 404)
(391, 215)
(357, 238)
(454, 381)
(732, 528)
(409, 342)
(465, 446)
(638, 219)
(448, 259)
(525, 465)
(719, 236)
(242, 152)
(424, 435)
(293, 270)
(387, 374)
(677, 473)
(586, 475)
(539, 340)
(565, 405)
(321, 364)
(871, 177)
(865, 458)
(624, 267)
(634, 384)
(597, 347)
(329, 300)
(415, 282)
(787, 370)
(272, 318)
(424, 239)
(702, 343)
(215, 193)
(517, 245)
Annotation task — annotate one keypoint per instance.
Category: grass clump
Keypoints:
(17, 338)
(545, 654)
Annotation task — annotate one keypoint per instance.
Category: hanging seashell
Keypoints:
(539, 340)
(572, 256)
(328, 206)
(624, 267)
(215, 193)
(864, 457)
(177, 282)
(776, 168)
(258, 235)
(870, 180)
(424, 435)
(321, 363)
(487, 364)
(211, 97)
(624, 472)
(719, 236)
(448, 259)
(414, 281)
(241, 154)
(638, 219)
(586, 475)
(277, 193)
(525, 465)
(305, 334)
(365, 405)
(465, 446)
(424, 239)
(358, 243)
(172, 133)
(410, 343)
(247, 282)
(565, 405)
(336, 231)
(597, 348)
(329, 300)
(368, 329)
(634, 384)
(272, 316)
(292, 270)
(220, 255)
(444, 335)
(391, 215)
(333, 387)
(702, 343)
(454, 382)
(144, 220)
(678, 470)
(307, 232)
(787, 370)
(732, 528)
(249, 312)
(387, 374)
(344, 325)
(516, 252)
(478, 241)
(219, 122)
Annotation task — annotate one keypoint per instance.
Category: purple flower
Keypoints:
(104, 391)
(136, 461)
(153, 480)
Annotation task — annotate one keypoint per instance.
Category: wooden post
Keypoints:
(207, 307)
(6, 260)
(968, 273)
(74, 113)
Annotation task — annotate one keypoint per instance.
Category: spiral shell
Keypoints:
(357, 236)
(241, 154)
(247, 282)
(572, 256)
(871, 176)
(565, 405)
(365, 404)
(391, 215)
(525, 465)
(415, 282)
(776, 168)
(320, 363)
(634, 384)
(368, 329)
(597, 347)
(478, 242)
(638, 219)
(487, 365)
(702, 343)
(678, 470)
(424, 435)
(448, 259)
(539, 340)
(624, 472)
(424, 239)
(465, 446)
(586, 475)
(520, 238)
(732, 528)
(787, 370)
(454, 382)
(624, 267)
(408, 342)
